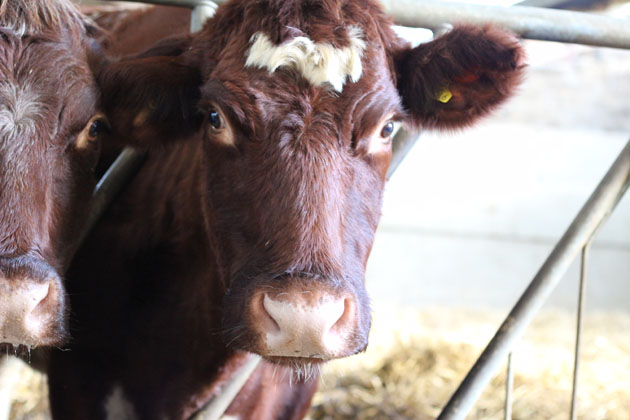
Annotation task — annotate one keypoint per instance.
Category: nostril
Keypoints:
(268, 320)
(44, 298)
(29, 309)
(332, 313)
(345, 318)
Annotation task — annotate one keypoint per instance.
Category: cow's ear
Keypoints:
(460, 76)
(152, 98)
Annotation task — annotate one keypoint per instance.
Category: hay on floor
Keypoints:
(416, 359)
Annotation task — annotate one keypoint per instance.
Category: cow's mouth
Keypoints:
(294, 361)
(18, 350)
(302, 369)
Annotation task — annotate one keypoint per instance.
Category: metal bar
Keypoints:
(117, 176)
(215, 409)
(200, 14)
(402, 143)
(600, 204)
(509, 387)
(528, 22)
(578, 333)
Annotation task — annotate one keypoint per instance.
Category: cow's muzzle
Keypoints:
(32, 303)
(298, 321)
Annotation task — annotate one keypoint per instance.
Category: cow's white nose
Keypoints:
(304, 324)
(22, 319)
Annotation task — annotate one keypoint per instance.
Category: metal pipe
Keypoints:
(215, 409)
(591, 216)
(200, 14)
(578, 332)
(402, 143)
(509, 387)
(528, 22)
(117, 176)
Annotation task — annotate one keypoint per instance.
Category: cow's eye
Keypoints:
(387, 131)
(92, 132)
(219, 128)
(97, 127)
(215, 120)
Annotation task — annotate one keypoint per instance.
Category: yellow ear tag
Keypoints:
(444, 96)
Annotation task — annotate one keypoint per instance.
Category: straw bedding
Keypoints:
(417, 358)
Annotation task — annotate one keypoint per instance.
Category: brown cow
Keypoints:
(50, 128)
(49, 144)
(249, 227)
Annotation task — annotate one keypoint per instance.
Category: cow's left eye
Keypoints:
(387, 131)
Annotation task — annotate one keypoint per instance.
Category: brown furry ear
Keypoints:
(453, 80)
(153, 97)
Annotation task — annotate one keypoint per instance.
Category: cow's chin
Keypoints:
(295, 361)
(300, 369)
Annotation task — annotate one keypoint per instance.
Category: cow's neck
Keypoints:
(152, 246)
(151, 298)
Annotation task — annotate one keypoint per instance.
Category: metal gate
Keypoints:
(530, 23)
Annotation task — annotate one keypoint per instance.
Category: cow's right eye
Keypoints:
(215, 120)
(91, 133)
(219, 129)
(96, 128)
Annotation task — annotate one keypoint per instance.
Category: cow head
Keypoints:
(49, 145)
(295, 105)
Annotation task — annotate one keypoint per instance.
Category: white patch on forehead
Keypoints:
(20, 107)
(117, 407)
(21, 112)
(319, 63)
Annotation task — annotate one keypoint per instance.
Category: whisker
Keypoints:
(234, 339)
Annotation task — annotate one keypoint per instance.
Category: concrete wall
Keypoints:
(470, 217)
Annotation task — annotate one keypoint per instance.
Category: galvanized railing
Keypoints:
(528, 22)
(577, 238)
